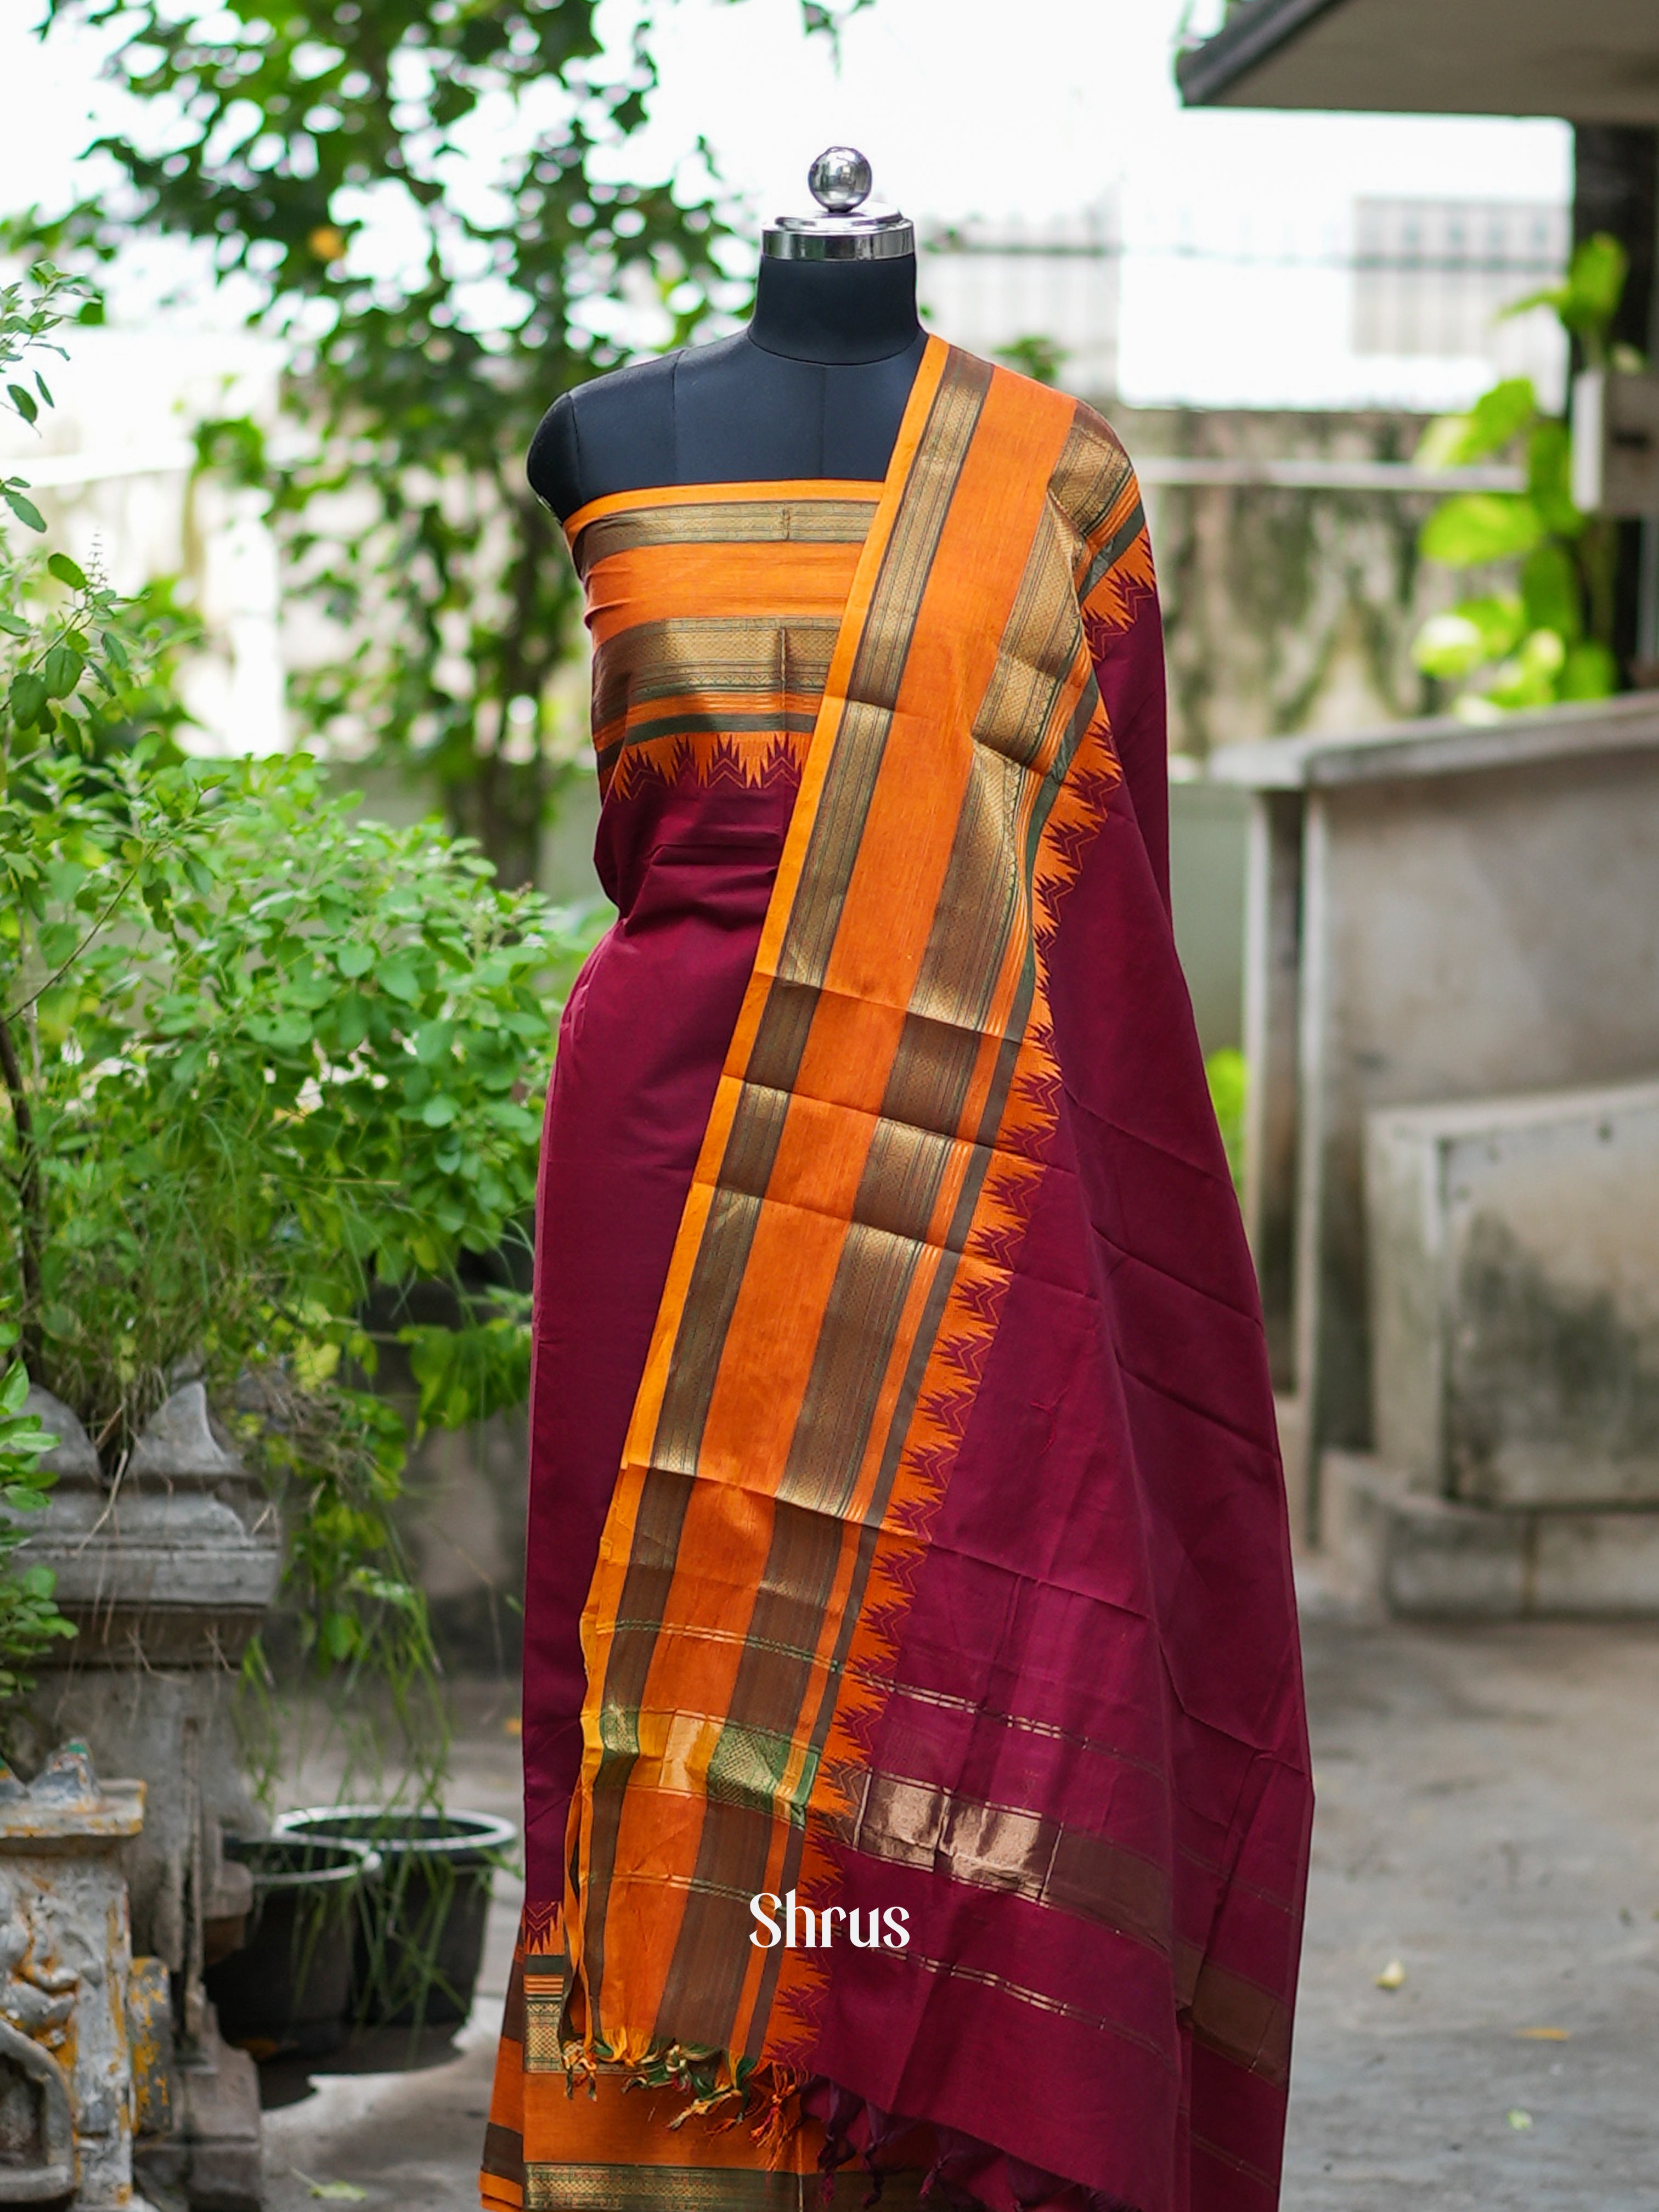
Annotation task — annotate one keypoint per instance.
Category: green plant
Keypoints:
(1228, 1077)
(29, 1619)
(1551, 637)
(280, 1052)
(1035, 356)
(278, 1056)
(465, 1375)
(483, 141)
(76, 664)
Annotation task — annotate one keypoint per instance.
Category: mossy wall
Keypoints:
(1286, 609)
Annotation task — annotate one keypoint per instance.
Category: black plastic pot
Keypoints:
(421, 1939)
(289, 1987)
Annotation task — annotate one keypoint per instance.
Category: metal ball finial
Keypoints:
(840, 178)
(842, 227)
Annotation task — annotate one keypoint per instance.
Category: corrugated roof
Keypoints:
(1593, 61)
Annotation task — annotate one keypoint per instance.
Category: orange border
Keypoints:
(605, 1592)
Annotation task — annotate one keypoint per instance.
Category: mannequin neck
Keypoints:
(836, 311)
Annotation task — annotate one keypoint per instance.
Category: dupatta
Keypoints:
(947, 1569)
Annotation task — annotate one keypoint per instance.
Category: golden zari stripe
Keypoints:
(705, 2189)
(751, 520)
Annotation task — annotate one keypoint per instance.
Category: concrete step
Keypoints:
(1427, 1557)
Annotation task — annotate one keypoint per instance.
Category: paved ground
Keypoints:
(1489, 1820)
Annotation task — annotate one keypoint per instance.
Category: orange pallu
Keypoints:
(946, 1566)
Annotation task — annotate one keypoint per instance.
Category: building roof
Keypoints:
(1593, 61)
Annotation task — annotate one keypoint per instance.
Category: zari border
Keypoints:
(706, 2189)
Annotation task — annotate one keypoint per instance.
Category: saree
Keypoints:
(908, 1567)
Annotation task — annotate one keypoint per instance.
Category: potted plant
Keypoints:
(287, 1986)
(420, 1936)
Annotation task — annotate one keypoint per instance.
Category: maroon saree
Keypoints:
(907, 1535)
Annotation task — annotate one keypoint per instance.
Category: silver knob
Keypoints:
(841, 228)
(840, 178)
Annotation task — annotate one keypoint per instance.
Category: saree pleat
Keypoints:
(943, 1564)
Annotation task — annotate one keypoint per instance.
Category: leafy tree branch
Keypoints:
(433, 201)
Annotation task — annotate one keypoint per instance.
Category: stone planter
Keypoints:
(166, 1572)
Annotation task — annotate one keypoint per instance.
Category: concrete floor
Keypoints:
(1488, 1818)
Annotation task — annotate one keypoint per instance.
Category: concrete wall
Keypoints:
(1436, 914)
(1286, 608)
(1209, 830)
(1514, 1267)
(465, 1525)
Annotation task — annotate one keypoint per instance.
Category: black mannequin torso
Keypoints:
(815, 387)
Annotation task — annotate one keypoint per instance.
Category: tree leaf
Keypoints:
(1528, 679)
(1474, 527)
(1543, 656)
(1549, 479)
(1596, 283)
(1449, 647)
(21, 506)
(354, 960)
(67, 571)
(27, 697)
(398, 978)
(61, 670)
(1589, 671)
(1501, 619)
(57, 940)
(340, 1635)
(1550, 593)
(23, 401)
(1496, 419)
(350, 1022)
(288, 1030)
(1441, 446)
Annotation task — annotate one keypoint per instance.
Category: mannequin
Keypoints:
(814, 388)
